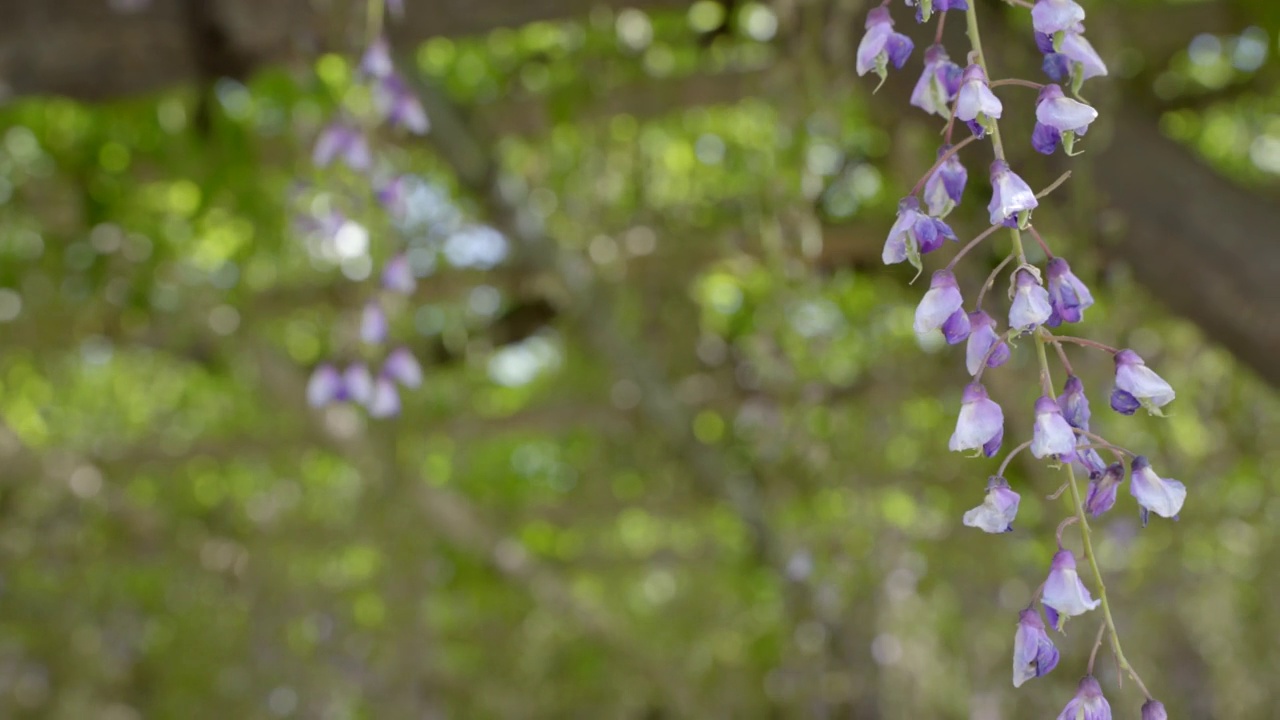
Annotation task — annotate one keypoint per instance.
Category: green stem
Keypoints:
(1077, 501)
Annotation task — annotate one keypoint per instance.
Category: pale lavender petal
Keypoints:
(998, 509)
(324, 386)
(373, 324)
(403, 367)
(980, 421)
(1030, 307)
(357, 383)
(384, 401)
(1052, 435)
(1161, 496)
(939, 303)
(1063, 590)
(397, 275)
(1051, 16)
(1078, 50)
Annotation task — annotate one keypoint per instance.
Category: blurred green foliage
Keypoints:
(181, 537)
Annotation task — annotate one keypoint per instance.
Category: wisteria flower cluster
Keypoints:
(1042, 300)
(346, 141)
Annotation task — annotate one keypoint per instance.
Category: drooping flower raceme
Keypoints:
(1034, 654)
(1063, 590)
(945, 187)
(1059, 120)
(984, 343)
(1052, 435)
(1138, 386)
(938, 84)
(1155, 494)
(1011, 196)
(998, 508)
(1088, 703)
(914, 234)
(980, 425)
(1030, 307)
(1068, 297)
(881, 46)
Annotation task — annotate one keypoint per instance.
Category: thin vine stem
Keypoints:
(938, 163)
(991, 279)
(1050, 337)
(1077, 501)
(1008, 458)
(971, 245)
(1016, 81)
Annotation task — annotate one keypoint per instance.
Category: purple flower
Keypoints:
(982, 336)
(376, 62)
(1089, 459)
(1033, 652)
(1138, 386)
(1052, 16)
(1154, 710)
(938, 304)
(1074, 403)
(938, 84)
(882, 46)
(956, 328)
(974, 100)
(944, 188)
(344, 142)
(914, 234)
(1030, 305)
(980, 425)
(357, 383)
(1155, 494)
(1085, 62)
(1052, 435)
(998, 509)
(373, 324)
(384, 401)
(1010, 195)
(926, 8)
(402, 367)
(399, 106)
(1068, 297)
(1059, 119)
(397, 275)
(1102, 489)
(1088, 703)
(1063, 591)
(324, 386)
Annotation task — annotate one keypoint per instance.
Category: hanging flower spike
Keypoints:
(1073, 401)
(344, 142)
(1088, 703)
(982, 335)
(998, 509)
(1154, 710)
(1138, 386)
(402, 367)
(881, 46)
(914, 234)
(376, 62)
(945, 187)
(980, 425)
(975, 103)
(373, 324)
(1011, 196)
(1052, 16)
(1102, 489)
(1059, 119)
(399, 106)
(1034, 654)
(1030, 306)
(357, 383)
(1063, 591)
(324, 385)
(397, 275)
(384, 402)
(1068, 297)
(938, 84)
(1155, 494)
(938, 304)
(1052, 435)
(926, 8)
